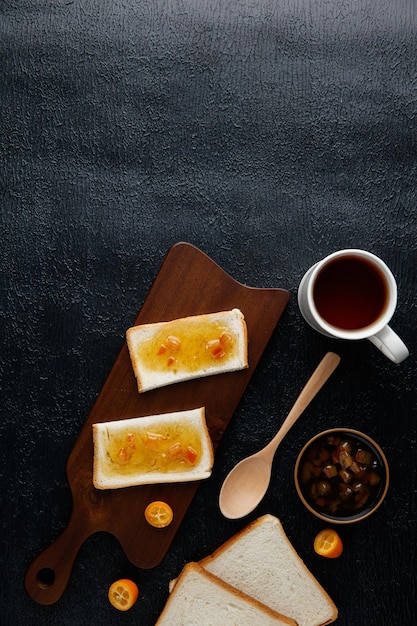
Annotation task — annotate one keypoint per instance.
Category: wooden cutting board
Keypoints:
(188, 283)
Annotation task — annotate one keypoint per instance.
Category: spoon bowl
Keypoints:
(237, 492)
(246, 484)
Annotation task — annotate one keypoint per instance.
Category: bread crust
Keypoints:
(328, 607)
(236, 595)
(105, 474)
(265, 519)
(147, 373)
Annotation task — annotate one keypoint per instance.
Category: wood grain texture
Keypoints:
(188, 283)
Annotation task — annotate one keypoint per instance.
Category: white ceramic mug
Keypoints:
(352, 294)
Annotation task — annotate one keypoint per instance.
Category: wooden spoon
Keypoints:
(246, 484)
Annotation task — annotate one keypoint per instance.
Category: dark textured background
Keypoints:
(268, 133)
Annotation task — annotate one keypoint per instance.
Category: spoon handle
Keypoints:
(316, 381)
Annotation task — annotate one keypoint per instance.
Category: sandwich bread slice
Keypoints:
(201, 599)
(165, 448)
(191, 347)
(261, 562)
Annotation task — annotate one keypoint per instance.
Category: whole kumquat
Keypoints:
(328, 543)
(123, 594)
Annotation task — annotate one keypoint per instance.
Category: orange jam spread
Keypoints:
(166, 448)
(188, 346)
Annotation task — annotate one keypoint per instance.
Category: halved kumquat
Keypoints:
(159, 514)
(123, 594)
(327, 543)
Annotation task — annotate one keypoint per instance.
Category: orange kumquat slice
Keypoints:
(328, 543)
(159, 514)
(123, 594)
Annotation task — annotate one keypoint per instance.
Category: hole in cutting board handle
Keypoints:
(45, 578)
(48, 575)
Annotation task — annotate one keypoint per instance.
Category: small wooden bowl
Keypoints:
(337, 504)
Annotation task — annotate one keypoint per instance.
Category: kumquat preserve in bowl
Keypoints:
(341, 476)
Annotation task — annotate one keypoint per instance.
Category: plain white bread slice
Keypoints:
(201, 599)
(261, 562)
(165, 448)
(191, 347)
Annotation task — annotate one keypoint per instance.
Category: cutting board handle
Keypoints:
(47, 577)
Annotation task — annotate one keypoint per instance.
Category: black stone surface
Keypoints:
(266, 133)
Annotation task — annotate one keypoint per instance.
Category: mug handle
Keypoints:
(390, 344)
